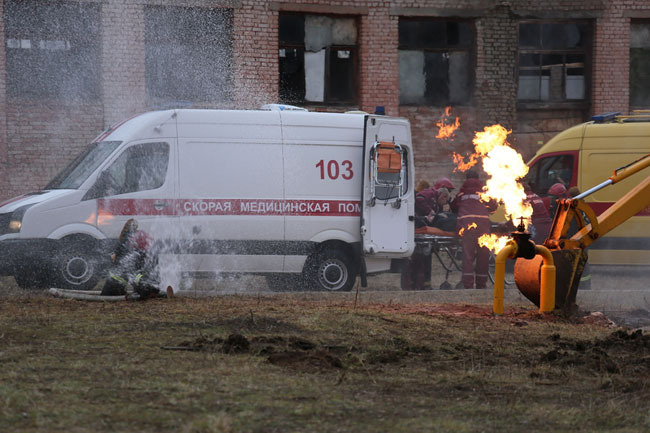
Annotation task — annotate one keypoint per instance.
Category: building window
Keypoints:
(553, 59)
(640, 64)
(318, 59)
(52, 50)
(188, 54)
(435, 61)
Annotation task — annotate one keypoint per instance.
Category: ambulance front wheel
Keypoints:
(330, 270)
(78, 265)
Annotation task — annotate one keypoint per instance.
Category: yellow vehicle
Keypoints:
(582, 156)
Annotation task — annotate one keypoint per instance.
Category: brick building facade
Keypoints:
(39, 134)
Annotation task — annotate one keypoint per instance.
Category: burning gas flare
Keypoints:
(505, 167)
(445, 130)
(493, 242)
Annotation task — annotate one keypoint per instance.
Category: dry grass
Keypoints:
(257, 364)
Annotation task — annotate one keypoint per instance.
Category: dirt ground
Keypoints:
(262, 362)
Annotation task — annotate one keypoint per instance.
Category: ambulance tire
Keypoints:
(32, 278)
(284, 282)
(330, 270)
(78, 265)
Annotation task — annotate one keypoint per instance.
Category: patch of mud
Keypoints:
(621, 350)
(398, 350)
(318, 359)
(293, 352)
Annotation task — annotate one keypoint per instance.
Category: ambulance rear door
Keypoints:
(387, 211)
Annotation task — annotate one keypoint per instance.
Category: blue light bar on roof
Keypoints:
(605, 117)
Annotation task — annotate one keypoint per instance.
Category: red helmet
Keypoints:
(443, 182)
(557, 189)
(141, 240)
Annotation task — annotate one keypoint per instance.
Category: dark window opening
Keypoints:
(318, 59)
(640, 64)
(188, 54)
(53, 50)
(553, 59)
(435, 61)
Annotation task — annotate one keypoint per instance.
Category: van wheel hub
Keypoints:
(333, 274)
(77, 270)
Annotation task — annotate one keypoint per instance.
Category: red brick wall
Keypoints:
(42, 138)
(255, 55)
(37, 138)
(379, 84)
(612, 57)
(123, 62)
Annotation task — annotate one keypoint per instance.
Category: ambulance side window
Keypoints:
(141, 167)
(548, 171)
(391, 183)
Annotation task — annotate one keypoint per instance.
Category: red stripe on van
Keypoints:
(104, 135)
(600, 207)
(12, 200)
(125, 206)
(197, 207)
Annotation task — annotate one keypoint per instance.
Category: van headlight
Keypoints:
(15, 225)
(16, 221)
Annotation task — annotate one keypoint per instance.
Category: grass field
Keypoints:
(275, 364)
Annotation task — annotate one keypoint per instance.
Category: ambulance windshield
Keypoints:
(83, 165)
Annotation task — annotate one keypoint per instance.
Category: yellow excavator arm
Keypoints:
(568, 251)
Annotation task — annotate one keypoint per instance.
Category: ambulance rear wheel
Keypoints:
(330, 270)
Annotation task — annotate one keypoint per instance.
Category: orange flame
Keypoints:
(91, 219)
(469, 227)
(493, 242)
(504, 166)
(447, 130)
(104, 217)
(460, 163)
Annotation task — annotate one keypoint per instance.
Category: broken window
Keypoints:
(553, 59)
(52, 50)
(318, 58)
(188, 54)
(435, 61)
(640, 64)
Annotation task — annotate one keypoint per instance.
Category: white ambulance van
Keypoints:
(294, 195)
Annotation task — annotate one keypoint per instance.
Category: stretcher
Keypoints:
(446, 247)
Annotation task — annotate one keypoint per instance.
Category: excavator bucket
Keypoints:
(569, 265)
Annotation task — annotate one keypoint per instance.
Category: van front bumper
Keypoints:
(17, 253)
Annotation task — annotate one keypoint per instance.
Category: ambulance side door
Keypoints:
(138, 183)
(387, 211)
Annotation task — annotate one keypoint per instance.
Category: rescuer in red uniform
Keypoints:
(474, 220)
(541, 220)
(557, 190)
